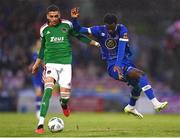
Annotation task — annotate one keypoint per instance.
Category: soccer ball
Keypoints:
(56, 124)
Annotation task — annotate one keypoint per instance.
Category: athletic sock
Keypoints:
(64, 103)
(155, 102)
(45, 102)
(135, 93)
(41, 122)
(64, 99)
(144, 84)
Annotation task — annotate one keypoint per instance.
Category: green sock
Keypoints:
(64, 102)
(45, 101)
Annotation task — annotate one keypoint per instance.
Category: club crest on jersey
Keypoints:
(64, 30)
(110, 43)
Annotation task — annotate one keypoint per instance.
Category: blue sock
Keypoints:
(132, 101)
(38, 102)
(143, 82)
(135, 93)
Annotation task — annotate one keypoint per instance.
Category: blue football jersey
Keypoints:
(109, 42)
(114, 46)
(34, 56)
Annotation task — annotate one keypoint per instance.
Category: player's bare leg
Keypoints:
(65, 95)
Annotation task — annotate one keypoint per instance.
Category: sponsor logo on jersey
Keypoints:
(110, 43)
(57, 39)
(64, 30)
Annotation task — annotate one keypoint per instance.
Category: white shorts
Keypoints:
(62, 73)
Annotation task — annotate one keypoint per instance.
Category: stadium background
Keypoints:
(155, 38)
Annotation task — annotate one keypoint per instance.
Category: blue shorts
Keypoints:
(127, 66)
(37, 79)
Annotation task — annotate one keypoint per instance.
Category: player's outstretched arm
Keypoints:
(90, 31)
(74, 16)
(76, 25)
(83, 38)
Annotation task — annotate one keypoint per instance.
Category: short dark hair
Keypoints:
(52, 7)
(110, 18)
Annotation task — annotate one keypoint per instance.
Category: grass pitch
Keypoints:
(93, 125)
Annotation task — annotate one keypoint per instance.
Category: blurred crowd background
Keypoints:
(154, 30)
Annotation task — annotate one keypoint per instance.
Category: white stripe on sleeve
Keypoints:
(89, 31)
(122, 39)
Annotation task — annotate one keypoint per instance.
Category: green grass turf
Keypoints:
(93, 125)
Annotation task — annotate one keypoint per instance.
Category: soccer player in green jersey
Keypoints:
(56, 52)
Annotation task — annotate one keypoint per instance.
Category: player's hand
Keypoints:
(75, 12)
(36, 65)
(119, 71)
(35, 68)
(94, 43)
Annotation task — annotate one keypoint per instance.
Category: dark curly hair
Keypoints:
(110, 18)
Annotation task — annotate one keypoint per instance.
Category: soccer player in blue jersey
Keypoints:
(37, 78)
(113, 38)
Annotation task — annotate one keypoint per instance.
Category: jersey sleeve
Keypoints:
(41, 52)
(85, 30)
(123, 31)
(42, 38)
(78, 28)
(123, 40)
(83, 38)
(94, 30)
(76, 24)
